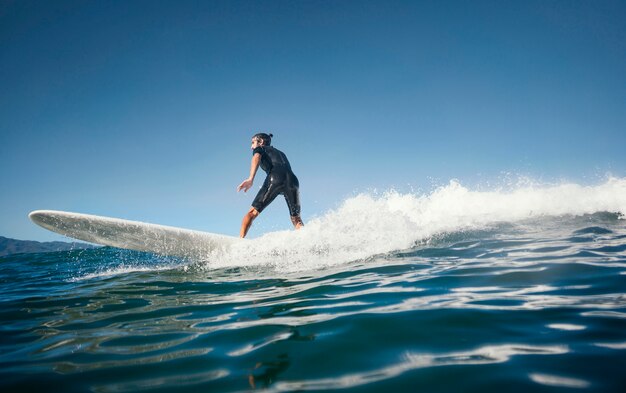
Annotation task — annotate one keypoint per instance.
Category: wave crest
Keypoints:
(367, 224)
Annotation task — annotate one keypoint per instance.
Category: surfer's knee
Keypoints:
(253, 213)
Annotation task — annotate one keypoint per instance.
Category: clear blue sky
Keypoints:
(144, 109)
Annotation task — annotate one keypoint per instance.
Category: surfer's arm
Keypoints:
(254, 166)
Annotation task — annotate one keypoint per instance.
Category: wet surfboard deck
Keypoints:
(133, 235)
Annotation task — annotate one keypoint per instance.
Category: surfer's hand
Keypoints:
(245, 185)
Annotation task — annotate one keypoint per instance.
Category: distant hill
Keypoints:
(13, 246)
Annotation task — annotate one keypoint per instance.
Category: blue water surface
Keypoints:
(530, 306)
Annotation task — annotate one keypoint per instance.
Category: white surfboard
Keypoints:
(133, 235)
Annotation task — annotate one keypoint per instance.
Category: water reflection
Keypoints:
(412, 361)
(171, 382)
(265, 373)
(554, 380)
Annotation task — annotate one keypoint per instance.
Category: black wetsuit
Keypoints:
(280, 180)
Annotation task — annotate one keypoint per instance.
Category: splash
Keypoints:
(367, 225)
(122, 270)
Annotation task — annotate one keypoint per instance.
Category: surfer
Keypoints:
(280, 180)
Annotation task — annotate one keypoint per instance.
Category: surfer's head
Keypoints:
(262, 139)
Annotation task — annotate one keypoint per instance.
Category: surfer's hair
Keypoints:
(266, 138)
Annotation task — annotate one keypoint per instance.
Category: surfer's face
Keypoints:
(256, 142)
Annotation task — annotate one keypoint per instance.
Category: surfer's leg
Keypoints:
(247, 221)
(292, 197)
(266, 195)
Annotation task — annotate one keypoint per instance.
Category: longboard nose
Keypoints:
(43, 218)
(39, 216)
(36, 216)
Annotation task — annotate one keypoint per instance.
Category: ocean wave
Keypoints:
(368, 225)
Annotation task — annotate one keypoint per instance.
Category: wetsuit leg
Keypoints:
(292, 196)
(268, 192)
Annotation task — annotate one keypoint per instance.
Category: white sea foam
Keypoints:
(367, 225)
(124, 269)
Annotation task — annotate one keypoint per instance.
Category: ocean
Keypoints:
(511, 289)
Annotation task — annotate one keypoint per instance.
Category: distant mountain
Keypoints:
(13, 246)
